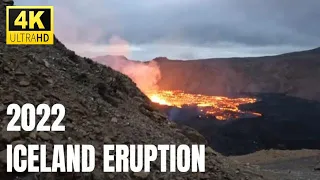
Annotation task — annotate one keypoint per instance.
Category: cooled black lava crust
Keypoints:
(287, 123)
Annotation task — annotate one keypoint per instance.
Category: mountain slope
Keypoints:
(295, 74)
(102, 105)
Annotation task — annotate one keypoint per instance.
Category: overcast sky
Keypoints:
(185, 29)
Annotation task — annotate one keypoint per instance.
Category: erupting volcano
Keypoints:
(221, 107)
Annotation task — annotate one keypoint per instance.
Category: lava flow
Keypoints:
(221, 107)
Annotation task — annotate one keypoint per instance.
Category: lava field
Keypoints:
(286, 123)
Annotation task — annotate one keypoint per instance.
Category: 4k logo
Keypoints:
(21, 20)
(30, 25)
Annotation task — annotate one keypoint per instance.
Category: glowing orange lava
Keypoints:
(221, 107)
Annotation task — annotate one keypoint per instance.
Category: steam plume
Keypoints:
(77, 36)
(145, 75)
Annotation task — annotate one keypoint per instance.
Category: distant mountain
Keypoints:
(295, 73)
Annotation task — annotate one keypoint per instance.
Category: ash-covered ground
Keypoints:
(286, 123)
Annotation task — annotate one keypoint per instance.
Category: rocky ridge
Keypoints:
(102, 106)
(295, 74)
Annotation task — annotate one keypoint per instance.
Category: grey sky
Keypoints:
(185, 29)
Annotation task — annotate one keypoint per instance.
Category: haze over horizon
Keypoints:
(144, 29)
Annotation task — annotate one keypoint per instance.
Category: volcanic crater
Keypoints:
(240, 105)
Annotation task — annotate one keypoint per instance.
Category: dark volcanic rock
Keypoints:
(286, 123)
(9, 136)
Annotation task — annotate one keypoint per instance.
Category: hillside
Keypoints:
(295, 74)
(102, 106)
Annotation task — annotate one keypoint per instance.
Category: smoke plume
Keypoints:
(87, 38)
(145, 74)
